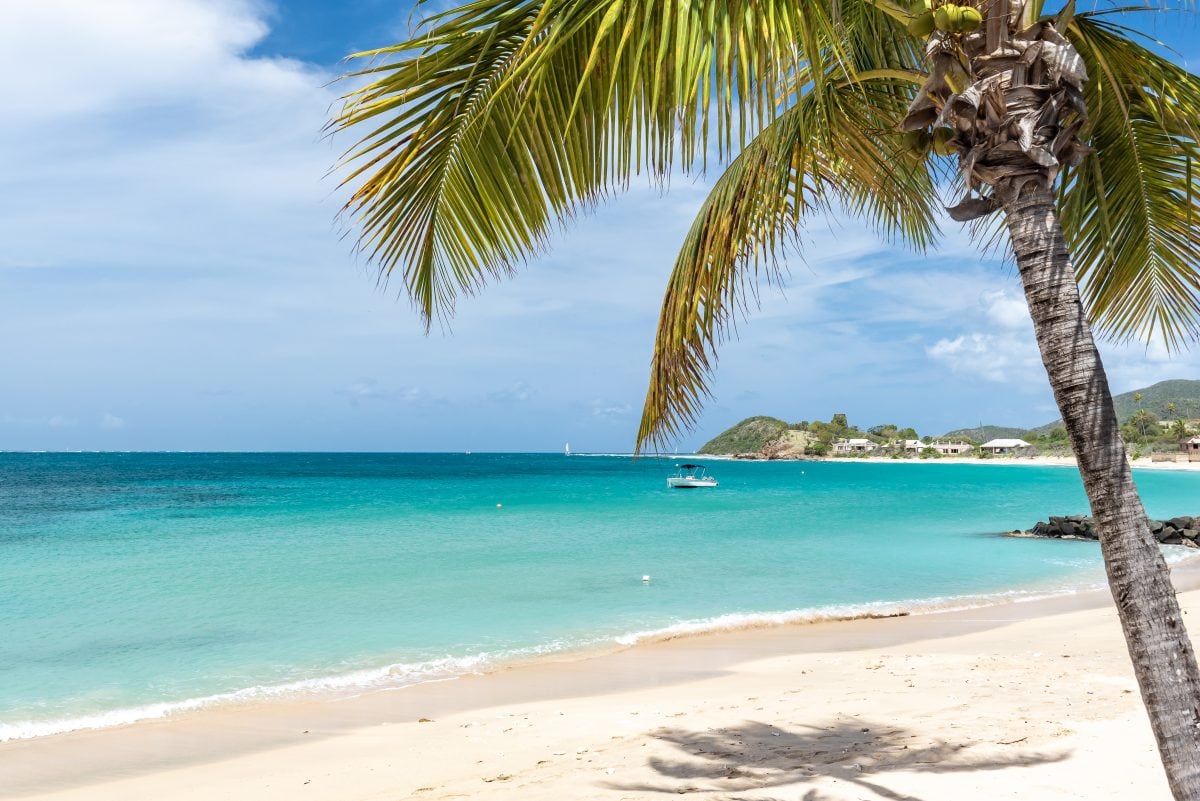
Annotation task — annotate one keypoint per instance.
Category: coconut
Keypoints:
(916, 142)
(943, 142)
(947, 17)
(921, 25)
(969, 20)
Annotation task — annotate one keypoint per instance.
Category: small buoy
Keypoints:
(499, 505)
(645, 579)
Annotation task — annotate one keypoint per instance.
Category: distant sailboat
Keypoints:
(567, 449)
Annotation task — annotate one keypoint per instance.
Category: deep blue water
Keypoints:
(135, 584)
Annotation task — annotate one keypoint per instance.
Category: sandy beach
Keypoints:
(1022, 700)
(1144, 463)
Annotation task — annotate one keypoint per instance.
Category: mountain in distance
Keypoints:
(983, 433)
(1184, 393)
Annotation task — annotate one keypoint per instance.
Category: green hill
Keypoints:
(984, 433)
(1185, 394)
(747, 436)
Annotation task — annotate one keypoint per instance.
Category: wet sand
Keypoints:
(1023, 700)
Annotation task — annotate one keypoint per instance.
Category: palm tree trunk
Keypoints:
(1162, 655)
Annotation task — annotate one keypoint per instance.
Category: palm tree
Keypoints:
(503, 117)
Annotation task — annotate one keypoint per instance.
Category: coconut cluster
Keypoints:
(1005, 96)
(949, 18)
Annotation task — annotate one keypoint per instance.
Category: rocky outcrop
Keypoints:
(790, 444)
(1175, 531)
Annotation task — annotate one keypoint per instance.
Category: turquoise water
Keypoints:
(132, 585)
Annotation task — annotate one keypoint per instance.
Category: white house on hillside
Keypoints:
(856, 445)
(1003, 447)
(952, 448)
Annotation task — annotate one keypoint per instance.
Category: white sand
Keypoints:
(1032, 701)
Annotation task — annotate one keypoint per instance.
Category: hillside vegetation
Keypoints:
(1139, 411)
(985, 433)
(1166, 400)
(748, 436)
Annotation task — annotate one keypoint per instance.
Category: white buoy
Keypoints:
(499, 505)
(645, 579)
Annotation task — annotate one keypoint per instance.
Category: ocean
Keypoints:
(138, 585)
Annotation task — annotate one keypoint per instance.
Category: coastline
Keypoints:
(530, 730)
(1001, 461)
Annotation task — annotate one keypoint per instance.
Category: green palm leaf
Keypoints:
(457, 181)
(1130, 210)
(802, 162)
(509, 115)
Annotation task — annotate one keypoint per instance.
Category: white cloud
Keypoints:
(519, 392)
(1005, 352)
(369, 389)
(610, 410)
(142, 133)
(110, 421)
(131, 57)
(999, 358)
(51, 421)
(1006, 310)
(1135, 365)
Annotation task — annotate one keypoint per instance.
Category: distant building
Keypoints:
(913, 446)
(952, 448)
(1191, 446)
(1005, 447)
(858, 445)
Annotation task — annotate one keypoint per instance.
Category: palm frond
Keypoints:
(507, 116)
(802, 162)
(1131, 210)
(455, 181)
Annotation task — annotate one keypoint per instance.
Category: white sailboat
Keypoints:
(567, 449)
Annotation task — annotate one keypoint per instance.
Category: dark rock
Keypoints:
(1178, 530)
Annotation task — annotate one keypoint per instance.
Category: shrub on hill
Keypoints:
(748, 436)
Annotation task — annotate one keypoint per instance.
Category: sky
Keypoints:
(173, 276)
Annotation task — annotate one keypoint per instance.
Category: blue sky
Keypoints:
(171, 275)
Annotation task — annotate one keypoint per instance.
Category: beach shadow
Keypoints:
(754, 756)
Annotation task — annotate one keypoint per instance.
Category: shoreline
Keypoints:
(114, 760)
(1143, 463)
(381, 678)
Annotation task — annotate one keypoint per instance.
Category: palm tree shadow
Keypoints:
(757, 755)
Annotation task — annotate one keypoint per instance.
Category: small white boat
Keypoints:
(691, 476)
